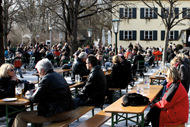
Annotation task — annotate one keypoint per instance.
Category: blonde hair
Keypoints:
(115, 59)
(175, 60)
(182, 55)
(173, 74)
(4, 69)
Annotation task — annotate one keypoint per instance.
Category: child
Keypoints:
(18, 63)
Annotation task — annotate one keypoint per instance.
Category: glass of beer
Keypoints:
(78, 79)
(109, 69)
(18, 91)
(104, 70)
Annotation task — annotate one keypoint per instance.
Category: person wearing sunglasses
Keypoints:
(173, 108)
(8, 81)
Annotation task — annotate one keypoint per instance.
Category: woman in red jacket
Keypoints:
(173, 108)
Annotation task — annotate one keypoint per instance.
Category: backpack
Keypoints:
(134, 99)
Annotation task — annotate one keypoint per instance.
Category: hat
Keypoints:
(137, 42)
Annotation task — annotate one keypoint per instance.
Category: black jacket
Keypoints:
(79, 68)
(136, 59)
(53, 95)
(127, 71)
(94, 91)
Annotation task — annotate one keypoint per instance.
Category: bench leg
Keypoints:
(112, 119)
(92, 112)
(120, 92)
(126, 119)
(142, 119)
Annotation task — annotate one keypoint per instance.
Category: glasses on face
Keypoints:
(11, 70)
(166, 75)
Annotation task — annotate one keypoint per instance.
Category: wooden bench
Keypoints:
(77, 113)
(179, 125)
(97, 120)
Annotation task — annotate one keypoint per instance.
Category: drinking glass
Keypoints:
(78, 79)
(146, 82)
(18, 91)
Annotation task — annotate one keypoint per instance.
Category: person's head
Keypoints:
(111, 53)
(138, 53)
(91, 62)
(115, 59)
(43, 66)
(82, 56)
(175, 60)
(157, 49)
(172, 75)
(7, 70)
(121, 57)
(149, 52)
(99, 56)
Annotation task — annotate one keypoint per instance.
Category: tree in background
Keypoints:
(169, 17)
(2, 60)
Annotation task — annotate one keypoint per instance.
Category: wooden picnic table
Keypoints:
(86, 76)
(154, 77)
(116, 107)
(18, 102)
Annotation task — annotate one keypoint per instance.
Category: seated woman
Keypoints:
(173, 108)
(8, 81)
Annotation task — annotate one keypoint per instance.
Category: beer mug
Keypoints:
(104, 70)
(18, 91)
(140, 88)
(146, 82)
(109, 69)
(78, 79)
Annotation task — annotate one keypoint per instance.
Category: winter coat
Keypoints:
(156, 53)
(53, 95)
(176, 103)
(183, 72)
(127, 71)
(186, 63)
(149, 59)
(135, 62)
(79, 67)
(94, 90)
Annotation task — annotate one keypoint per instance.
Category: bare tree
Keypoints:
(2, 60)
(9, 10)
(170, 18)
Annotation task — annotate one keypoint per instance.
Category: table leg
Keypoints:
(112, 119)
(31, 109)
(142, 119)
(7, 115)
(126, 119)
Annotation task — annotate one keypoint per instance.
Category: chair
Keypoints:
(140, 67)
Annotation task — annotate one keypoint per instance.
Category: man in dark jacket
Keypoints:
(93, 92)
(79, 66)
(149, 59)
(137, 58)
(53, 97)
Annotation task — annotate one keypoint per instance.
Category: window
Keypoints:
(148, 35)
(171, 35)
(187, 12)
(128, 35)
(128, 13)
(148, 13)
(166, 11)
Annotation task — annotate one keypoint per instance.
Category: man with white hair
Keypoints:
(79, 66)
(53, 97)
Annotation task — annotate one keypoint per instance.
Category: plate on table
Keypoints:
(10, 99)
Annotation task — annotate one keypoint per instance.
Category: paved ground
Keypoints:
(28, 77)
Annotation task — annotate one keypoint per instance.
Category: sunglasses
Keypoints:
(166, 75)
(11, 70)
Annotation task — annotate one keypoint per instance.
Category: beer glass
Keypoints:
(104, 70)
(18, 91)
(78, 79)
(22, 87)
(109, 69)
(140, 88)
(146, 82)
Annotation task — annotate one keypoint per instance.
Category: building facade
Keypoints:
(140, 24)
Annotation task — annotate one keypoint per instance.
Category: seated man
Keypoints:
(137, 58)
(93, 92)
(100, 59)
(79, 66)
(149, 59)
(53, 97)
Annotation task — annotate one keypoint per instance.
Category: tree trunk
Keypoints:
(2, 60)
(74, 35)
(5, 25)
(164, 57)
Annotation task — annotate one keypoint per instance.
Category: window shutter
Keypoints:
(121, 13)
(154, 35)
(162, 35)
(176, 10)
(141, 35)
(134, 35)
(184, 13)
(120, 35)
(142, 13)
(176, 35)
(162, 14)
(155, 15)
(134, 13)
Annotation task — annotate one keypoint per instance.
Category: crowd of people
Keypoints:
(53, 95)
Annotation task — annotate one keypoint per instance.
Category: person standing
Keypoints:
(53, 97)
(18, 63)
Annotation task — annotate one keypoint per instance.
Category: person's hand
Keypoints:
(28, 94)
(14, 78)
(152, 106)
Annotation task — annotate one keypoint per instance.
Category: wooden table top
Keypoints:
(156, 77)
(18, 102)
(58, 71)
(76, 85)
(116, 107)
(86, 76)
